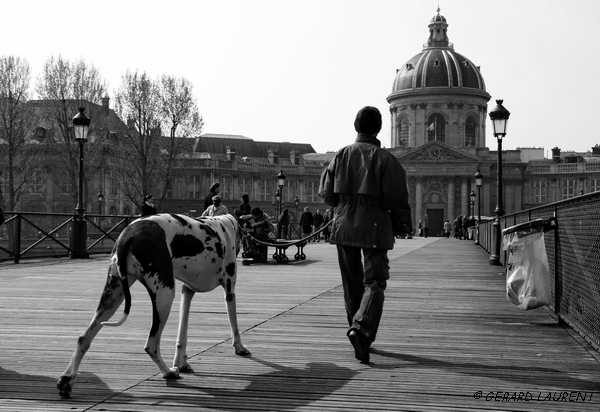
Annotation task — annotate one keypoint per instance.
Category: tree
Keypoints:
(14, 87)
(138, 101)
(180, 114)
(69, 85)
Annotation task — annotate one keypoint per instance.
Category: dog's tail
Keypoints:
(121, 266)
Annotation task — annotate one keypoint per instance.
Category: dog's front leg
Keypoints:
(162, 299)
(180, 360)
(232, 312)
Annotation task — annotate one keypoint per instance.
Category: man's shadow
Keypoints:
(89, 388)
(529, 376)
(284, 388)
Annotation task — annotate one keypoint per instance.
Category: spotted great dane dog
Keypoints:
(156, 250)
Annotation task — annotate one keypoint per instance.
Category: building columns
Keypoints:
(419, 201)
(450, 213)
(393, 131)
(464, 198)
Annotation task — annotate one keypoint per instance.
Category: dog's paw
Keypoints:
(186, 368)
(64, 386)
(241, 351)
(172, 374)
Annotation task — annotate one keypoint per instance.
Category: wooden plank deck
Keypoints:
(447, 332)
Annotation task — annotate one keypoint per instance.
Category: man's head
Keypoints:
(368, 121)
(245, 198)
(216, 200)
(256, 212)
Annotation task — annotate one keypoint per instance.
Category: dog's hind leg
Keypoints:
(162, 299)
(229, 286)
(111, 299)
(180, 360)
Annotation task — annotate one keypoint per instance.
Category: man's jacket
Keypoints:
(367, 187)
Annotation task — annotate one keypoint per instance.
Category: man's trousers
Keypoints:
(363, 286)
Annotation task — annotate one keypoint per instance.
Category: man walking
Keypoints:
(367, 187)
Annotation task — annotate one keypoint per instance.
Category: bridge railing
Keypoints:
(573, 250)
(39, 235)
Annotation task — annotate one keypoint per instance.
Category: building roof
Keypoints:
(244, 146)
(439, 66)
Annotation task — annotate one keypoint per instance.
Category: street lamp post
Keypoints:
(478, 183)
(499, 117)
(81, 124)
(280, 184)
(471, 208)
(100, 202)
(472, 203)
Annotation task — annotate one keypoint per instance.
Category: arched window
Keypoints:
(402, 131)
(436, 128)
(470, 132)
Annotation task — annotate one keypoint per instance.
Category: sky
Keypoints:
(298, 71)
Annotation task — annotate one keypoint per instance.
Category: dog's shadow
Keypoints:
(284, 388)
(89, 388)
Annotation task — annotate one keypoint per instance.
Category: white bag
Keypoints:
(528, 282)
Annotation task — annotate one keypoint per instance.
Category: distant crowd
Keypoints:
(461, 227)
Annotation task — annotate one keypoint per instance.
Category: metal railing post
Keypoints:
(17, 239)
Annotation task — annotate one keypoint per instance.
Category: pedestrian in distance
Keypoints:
(148, 207)
(244, 208)
(306, 222)
(318, 220)
(447, 228)
(283, 224)
(212, 191)
(367, 187)
(217, 208)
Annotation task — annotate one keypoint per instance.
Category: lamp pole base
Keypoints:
(495, 260)
(78, 239)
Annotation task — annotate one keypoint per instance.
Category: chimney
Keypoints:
(293, 157)
(556, 154)
(271, 157)
(105, 104)
(596, 150)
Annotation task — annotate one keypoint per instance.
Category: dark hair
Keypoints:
(256, 211)
(368, 120)
(245, 197)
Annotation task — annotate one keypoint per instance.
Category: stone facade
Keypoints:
(438, 109)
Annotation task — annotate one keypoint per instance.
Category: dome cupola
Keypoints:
(437, 31)
(438, 66)
(438, 96)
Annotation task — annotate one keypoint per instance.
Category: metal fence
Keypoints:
(573, 250)
(38, 235)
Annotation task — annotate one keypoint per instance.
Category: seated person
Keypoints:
(260, 228)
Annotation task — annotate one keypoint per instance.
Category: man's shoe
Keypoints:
(361, 345)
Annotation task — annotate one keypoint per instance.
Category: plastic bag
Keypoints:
(528, 282)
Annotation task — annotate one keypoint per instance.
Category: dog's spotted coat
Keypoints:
(156, 250)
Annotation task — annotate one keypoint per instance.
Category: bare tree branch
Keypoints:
(14, 87)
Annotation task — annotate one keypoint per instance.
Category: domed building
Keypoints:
(438, 96)
(438, 108)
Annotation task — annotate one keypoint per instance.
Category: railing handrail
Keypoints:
(64, 214)
(555, 204)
